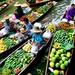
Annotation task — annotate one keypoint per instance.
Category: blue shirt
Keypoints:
(38, 38)
(28, 28)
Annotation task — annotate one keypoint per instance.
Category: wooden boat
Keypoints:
(32, 20)
(10, 50)
(37, 4)
(67, 71)
(32, 61)
(36, 59)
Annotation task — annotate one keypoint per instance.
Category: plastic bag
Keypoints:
(34, 49)
(47, 34)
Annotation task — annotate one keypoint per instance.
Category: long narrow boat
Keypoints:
(25, 61)
(35, 4)
(10, 47)
(36, 59)
(53, 66)
(38, 14)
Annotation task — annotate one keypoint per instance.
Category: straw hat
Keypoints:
(38, 25)
(24, 5)
(37, 28)
(17, 4)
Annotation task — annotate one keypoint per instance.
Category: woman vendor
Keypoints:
(6, 28)
(37, 38)
(27, 26)
(70, 13)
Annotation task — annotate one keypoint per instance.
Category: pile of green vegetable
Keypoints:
(61, 51)
(64, 38)
(9, 42)
(6, 43)
(43, 9)
(15, 63)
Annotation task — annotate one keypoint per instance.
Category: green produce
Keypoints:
(65, 63)
(6, 72)
(64, 58)
(9, 42)
(62, 66)
(56, 72)
(59, 59)
(43, 9)
(53, 59)
(68, 54)
(52, 55)
(16, 62)
(53, 50)
(64, 38)
(52, 64)
(57, 65)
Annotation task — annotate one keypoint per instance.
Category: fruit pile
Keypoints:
(43, 9)
(64, 38)
(27, 47)
(59, 58)
(51, 27)
(6, 43)
(64, 25)
(3, 47)
(61, 51)
(15, 63)
(33, 16)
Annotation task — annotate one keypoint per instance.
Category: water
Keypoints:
(57, 11)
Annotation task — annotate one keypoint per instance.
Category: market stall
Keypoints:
(50, 50)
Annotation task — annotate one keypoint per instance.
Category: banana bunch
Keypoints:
(27, 47)
(51, 27)
(56, 45)
(3, 47)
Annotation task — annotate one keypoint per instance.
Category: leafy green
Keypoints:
(17, 60)
(64, 38)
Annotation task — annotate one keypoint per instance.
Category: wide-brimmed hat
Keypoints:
(37, 28)
(17, 4)
(24, 5)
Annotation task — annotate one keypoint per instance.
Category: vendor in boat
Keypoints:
(70, 13)
(19, 11)
(37, 36)
(6, 28)
(27, 26)
(37, 39)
